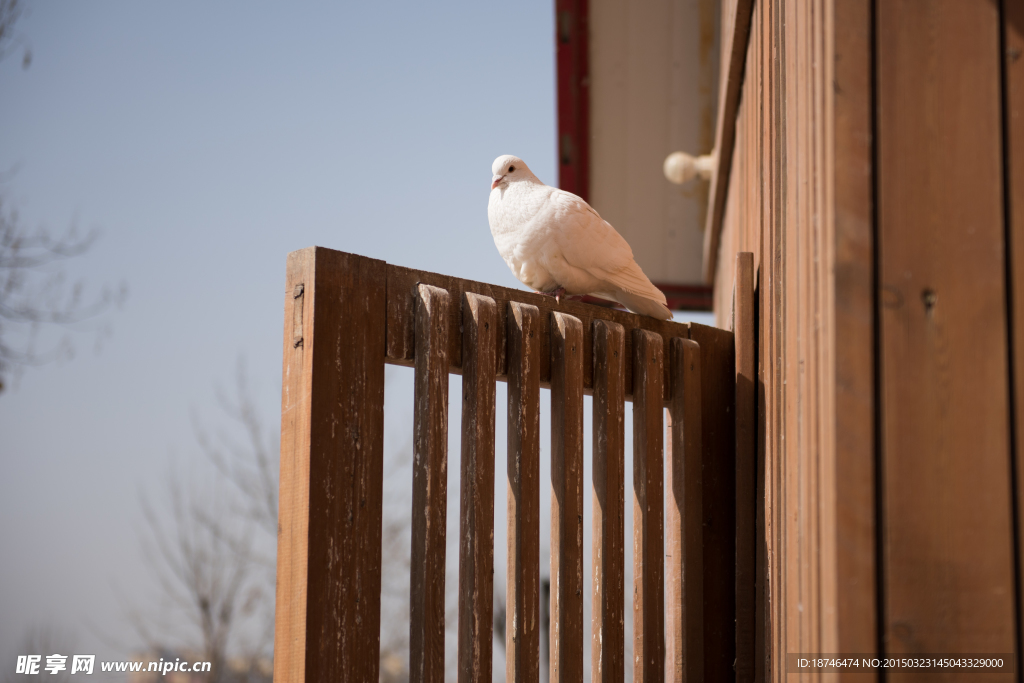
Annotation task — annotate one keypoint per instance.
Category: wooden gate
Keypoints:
(346, 316)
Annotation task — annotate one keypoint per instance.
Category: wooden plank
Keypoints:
(744, 332)
(401, 338)
(566, 499)
(685, 553)
(607, 663)
(648, 505)
(429, 488)
(948, 557)
(327, 625)
(522, 633)
(735, 39)
(476, 494)
(717, 384)
(853, 412)
(1013, 145)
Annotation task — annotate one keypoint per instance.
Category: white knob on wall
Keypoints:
(681, 167)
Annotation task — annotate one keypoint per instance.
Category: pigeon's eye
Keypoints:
(511, 168)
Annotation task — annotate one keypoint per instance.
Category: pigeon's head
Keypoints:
(508, 169)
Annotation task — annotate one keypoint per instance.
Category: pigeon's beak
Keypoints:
(495, 179)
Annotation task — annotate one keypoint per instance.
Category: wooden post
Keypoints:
(607, 628)
(522, 635)
(948, 575)
(685, 552)
(476, 542)
(745, 335)
(648, 504)
(566, 498)
(327, 625)
(429, 488)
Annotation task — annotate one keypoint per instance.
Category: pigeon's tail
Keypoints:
(643, 306)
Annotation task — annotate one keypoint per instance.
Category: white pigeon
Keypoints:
(556, 244)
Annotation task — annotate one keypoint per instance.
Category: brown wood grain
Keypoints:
(648, 506)
(1013, 126)
(948, 564)
(745, 336)
(717, 384)
(853, 375)
(476, 492)
(607, 663)
(799, 197)
(684, 573)
(401, 338)
(735, 39)
(522, 627)
(429, 487)
(566, 499)
(327, 624)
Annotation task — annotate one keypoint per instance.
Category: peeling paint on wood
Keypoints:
(429, 488)
(648, 504)
(522, 630)
(476, 499)
(607, 625)
(566, 498)
(685, 533)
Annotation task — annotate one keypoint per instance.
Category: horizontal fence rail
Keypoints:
(347, 316)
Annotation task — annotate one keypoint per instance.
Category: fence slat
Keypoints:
(745, 332)
(648, 502)
(476, 543)
(718, 425)
(607, 660)
(522, 632)
(566, 498)
(685, 553)
(327, 625)
(429, 487)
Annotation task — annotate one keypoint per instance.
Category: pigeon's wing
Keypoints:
(589, 242)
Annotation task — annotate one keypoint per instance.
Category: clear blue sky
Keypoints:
(206, 141)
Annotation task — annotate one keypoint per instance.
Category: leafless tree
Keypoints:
(205, 575)
(211, 549)
(35, 294)
(44, 641)
(10, 12)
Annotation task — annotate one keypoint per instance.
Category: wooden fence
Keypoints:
(346, 317)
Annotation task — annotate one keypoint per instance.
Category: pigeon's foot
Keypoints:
(558, 294)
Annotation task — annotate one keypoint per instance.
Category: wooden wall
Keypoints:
(876, 177)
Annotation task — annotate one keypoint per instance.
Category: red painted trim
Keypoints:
(680, 298)
(572, 53)
(688, 297)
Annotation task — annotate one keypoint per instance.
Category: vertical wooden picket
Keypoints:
(648, 503)
(608, 638)
(522, 629)
(429, 487)
(566, 499)
(476, 491)
(684, 572)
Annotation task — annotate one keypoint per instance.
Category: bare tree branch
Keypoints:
(10, 12)
(35, 294)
